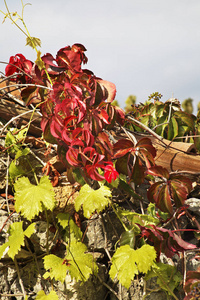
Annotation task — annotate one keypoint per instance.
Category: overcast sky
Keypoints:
(142, 46)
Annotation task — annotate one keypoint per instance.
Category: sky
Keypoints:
(141, 46)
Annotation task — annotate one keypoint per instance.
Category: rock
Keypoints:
(194, 205)
(101, 233)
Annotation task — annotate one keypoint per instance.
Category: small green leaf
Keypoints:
(29, 198)
(51, 296)
(67, 223)
(92, 200)
(172, 129)
(128, 238)
(30, 230)
(39, 62)
(16, 238)
(33, 42)
(56, 266)
(127, 262)
(81, 264)
(168, 278)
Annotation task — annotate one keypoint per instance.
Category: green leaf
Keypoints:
(172, 129)
(12, 140)
(29, 198)
(56, 266)
(81, 264)
(92, 200)
(128, 238)
(127, 262)
(33, 42)
(140, 219)
(16, 238)
(168, 278)
(78, 263)
(67, 223)
(20, 165)
(51, 296)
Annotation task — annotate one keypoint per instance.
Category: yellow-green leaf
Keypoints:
(33, 42)
(92, 200)
(81, 264)
(127, 262)
(51, 296)
(16, 238)
(29, 198)
(57, 269)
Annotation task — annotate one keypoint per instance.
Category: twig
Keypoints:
(20, 280)
(108, 287)
(194, 220)
(7, 176)
(184, 269)
(160, 138)
(27, 85)
(4, 224)
(130, 135)
(14, 118)
(13, 97)
(169, 116)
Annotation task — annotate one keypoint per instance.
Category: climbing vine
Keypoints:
(96, 144)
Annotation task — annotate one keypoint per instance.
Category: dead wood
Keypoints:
(12, 106)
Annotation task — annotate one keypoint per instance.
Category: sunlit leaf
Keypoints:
(56, 266)
(92, 200)
(33, 42)
(42, 296)
(81, 264)
(29, 198)
(16, 238)
(127, 262)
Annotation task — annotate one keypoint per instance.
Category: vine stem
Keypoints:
(7, 176)
(147, 129)
(118, 216)
(47, 235)
(20, 280)
(168, 288)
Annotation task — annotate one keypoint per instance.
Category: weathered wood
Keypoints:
(9, 109)
(12, 106)
(176, 156)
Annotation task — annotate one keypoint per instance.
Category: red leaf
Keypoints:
(159, 194)
(165, 240)
(30, 94)
(122, 147)
(110, 173)
(158, 171)
(111, 89)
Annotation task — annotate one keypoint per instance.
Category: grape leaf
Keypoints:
(127, 262)
(81, 264)
(55, 265)
(67, 223)
(29, 198)
(78, 263)
(16, 238)
(92, 200)
(51, 296)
